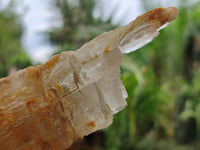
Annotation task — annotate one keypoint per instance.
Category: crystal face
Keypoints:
(75, 93)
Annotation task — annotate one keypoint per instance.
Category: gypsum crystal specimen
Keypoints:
(75, 93)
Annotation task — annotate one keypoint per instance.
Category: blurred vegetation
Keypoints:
(162, 79)
(12, 53)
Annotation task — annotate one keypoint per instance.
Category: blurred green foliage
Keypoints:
(12, 54)
(162, 81)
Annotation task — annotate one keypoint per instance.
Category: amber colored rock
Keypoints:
(50, 106)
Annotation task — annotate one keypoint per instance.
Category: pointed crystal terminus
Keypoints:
(75, 93)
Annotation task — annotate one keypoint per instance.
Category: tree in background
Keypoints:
(79, 24)
(12, 54)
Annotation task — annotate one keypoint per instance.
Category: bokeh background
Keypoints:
(162, 78)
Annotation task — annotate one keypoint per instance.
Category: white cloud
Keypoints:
(42, 54)
(122, 11)
(36, 20)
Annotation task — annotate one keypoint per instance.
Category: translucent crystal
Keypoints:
(75, 93)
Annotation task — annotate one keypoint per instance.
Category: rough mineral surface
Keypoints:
(48, 107)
